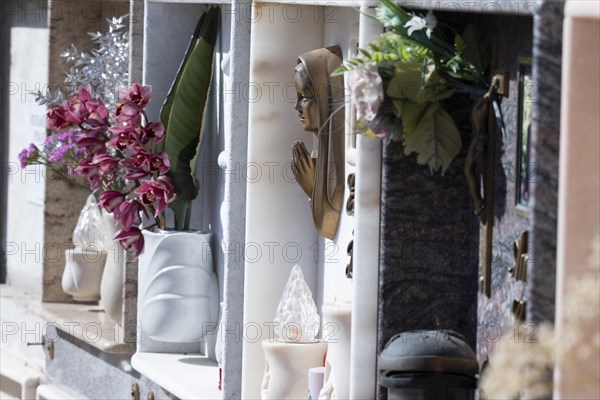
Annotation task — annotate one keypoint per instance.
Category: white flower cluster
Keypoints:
(417, 23)
(366, 92)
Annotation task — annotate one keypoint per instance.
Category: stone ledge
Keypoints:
(187, 376)
(77, 323)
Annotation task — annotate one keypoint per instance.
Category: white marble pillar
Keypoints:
(579, 199)
(363, 363)
(279, 227)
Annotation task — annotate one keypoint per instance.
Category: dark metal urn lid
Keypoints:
(429, 351)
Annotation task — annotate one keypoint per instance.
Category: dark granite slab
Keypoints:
(428, 255)
(547, 53)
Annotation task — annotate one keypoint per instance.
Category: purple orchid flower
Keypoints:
(156, 191)
(137, 94)
(131, 238)
(110, 200)
(129, 213)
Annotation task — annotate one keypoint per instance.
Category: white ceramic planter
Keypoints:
(286, 368)
(337, 321)
(83, 273)
(111, 287)
(178, 287)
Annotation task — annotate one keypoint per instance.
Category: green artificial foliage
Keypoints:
(182, 114)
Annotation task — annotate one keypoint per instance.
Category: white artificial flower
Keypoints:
(366, 92)
(417, 23)
(430, 22)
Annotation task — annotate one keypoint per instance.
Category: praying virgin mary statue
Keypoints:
(321, 107)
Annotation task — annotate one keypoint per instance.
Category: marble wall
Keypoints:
(25, 27)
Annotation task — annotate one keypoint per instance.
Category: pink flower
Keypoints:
(151, 162)
(56, 118)
(28, 155)
(59, 154)
(110, 200)
(128, 111)
(106, 164)
(129, 213)
(90, 172)
(83, 95)
(134, 172)
(131, 238)
(160, 162)
(153, 130)
(125, 136)
(98, 113)
(156, 191)
(75, 112)
(91, 145)
(139, 95)
(142, 163)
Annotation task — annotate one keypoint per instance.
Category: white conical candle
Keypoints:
(297, 319)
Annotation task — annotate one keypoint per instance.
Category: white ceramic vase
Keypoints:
(111, 287)
(178, 287)
(83, 273)
(286, 368)
(337, 322)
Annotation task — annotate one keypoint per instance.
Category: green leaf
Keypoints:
(417, 82)
(183, 113)
(165, 110)
(459, 44)
(431, 133)
(365, 53)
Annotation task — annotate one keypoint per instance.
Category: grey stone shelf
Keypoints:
(87, 323)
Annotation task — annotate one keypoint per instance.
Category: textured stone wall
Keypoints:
(69, 22)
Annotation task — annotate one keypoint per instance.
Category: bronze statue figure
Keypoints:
(320, 104)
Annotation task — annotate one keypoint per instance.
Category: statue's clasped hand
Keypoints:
(303, 167)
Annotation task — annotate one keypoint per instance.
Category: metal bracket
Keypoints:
(502, 78)
(135, 391)
(518, 310)
(521, 258)
(48, 346)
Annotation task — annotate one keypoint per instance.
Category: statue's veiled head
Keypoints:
(319, 94)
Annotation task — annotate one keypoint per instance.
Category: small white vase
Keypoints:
(178, 287)
(286, 368)
(337, 322)
(83, 273)
(111, 287)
